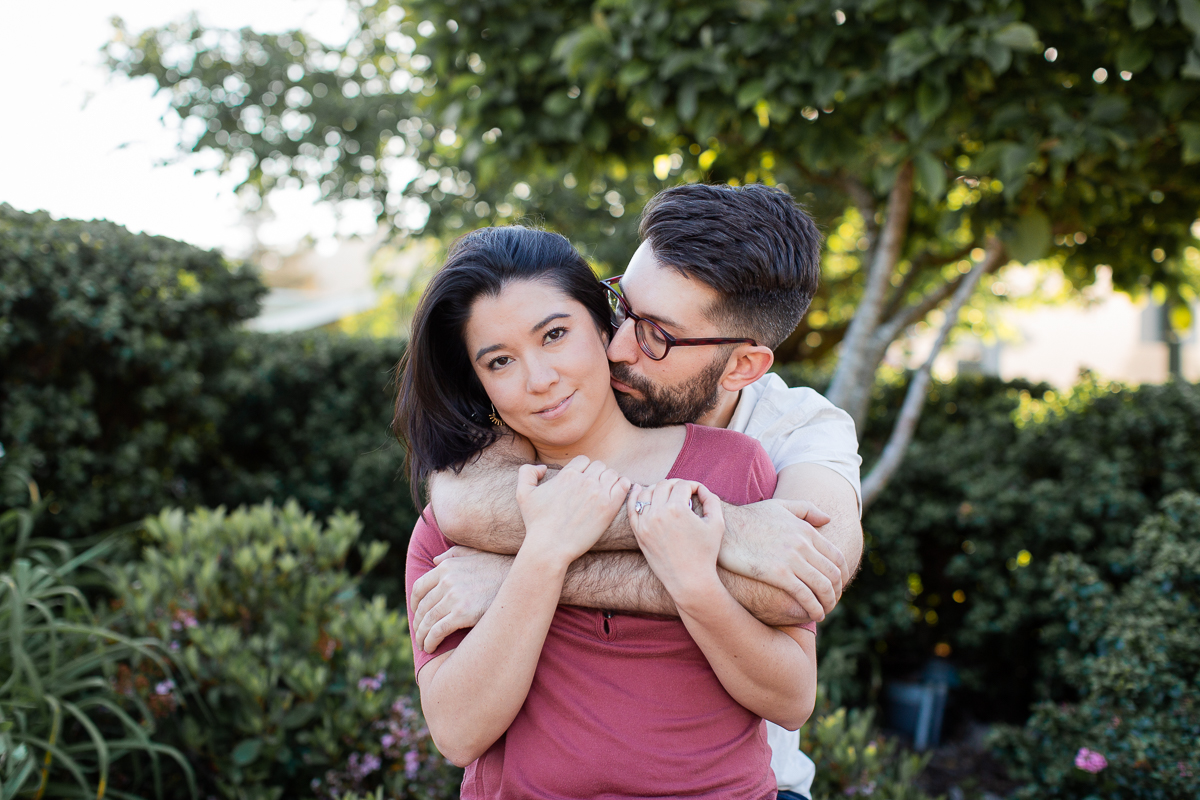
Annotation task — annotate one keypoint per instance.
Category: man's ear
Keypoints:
(747, 364)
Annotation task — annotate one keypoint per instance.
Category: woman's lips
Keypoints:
(558, 409)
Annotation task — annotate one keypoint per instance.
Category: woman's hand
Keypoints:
(680, 546)
(566, 515)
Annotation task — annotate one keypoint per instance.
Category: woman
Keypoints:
(547, 701)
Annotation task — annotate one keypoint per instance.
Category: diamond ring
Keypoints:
(639, 506)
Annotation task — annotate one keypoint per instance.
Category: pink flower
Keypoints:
(1090, 761)
(412, 762)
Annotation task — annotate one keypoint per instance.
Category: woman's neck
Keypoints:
(621, 445)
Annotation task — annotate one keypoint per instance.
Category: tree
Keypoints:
(937, 139)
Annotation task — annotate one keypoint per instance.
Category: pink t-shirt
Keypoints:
(626, 705)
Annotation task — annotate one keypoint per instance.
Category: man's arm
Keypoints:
(460, 588)
(477, 507)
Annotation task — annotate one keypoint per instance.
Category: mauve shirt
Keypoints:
(626, 705)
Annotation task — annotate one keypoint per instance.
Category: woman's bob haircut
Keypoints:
(441, 413)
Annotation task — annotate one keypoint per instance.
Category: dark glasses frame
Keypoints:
(639, 324)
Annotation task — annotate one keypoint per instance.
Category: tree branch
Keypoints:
(916, 268)
(914, 399)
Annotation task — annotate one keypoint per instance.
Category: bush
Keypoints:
(853, 758)
(302, 682)
(108, 341)
(1133, 653)
(1001, 478)
(128, 386)
(63, 724)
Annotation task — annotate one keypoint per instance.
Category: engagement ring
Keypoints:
(639, 506)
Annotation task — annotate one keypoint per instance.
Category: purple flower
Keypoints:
(387, 741)
(164, 687)
(369, 684)
(1090, 761)
(412, 761)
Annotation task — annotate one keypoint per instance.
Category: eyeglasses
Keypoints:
(654, 341)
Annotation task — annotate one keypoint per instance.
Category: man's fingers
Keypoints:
(835, 556)
(806, 511)
(422, 586)
(458, 551)
(807, 600)
(426, 604)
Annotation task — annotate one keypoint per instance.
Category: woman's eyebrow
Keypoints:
(548, 320)
(483, 351)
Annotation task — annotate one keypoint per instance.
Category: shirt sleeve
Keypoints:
(799, 426)
(425, 544)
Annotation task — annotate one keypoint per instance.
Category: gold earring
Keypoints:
(495, 418)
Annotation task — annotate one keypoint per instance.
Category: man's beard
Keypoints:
(660, 405)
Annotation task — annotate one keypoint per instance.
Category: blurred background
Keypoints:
(215, 218)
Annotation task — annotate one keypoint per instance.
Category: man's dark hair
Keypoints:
(753, 244)
(441, 412)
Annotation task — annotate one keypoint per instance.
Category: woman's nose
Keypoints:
(542, 375)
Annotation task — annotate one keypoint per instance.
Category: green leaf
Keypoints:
(247, 751)
(751, 92)
(907, 53)
(1018, 36)
(1189, 133)
(944, 37)
(633, 73)
(1191, 69)
(1029, 237)
(1189, 14)
(931, 174)
(1142, 14)
(1134, 56)
(997, 56)
(932, 100)
(687, 101)
(299, 715)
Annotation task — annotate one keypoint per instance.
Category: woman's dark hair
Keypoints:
(441, 413)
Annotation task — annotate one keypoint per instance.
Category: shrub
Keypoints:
(1001, 478)
(107, 342)
(128, 386)
(1133, 653)
(300, 678)
(853, 758)
(63, 724)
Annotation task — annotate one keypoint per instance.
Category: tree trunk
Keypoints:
(914, 400)
(860, 355)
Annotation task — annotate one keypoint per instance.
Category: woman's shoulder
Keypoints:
(731, 464)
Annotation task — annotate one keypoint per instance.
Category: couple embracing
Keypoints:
(620, 572)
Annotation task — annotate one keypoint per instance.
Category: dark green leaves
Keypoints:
(1028, 239)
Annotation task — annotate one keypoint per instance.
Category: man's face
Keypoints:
(686, 385)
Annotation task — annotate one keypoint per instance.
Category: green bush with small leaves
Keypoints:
(1001, 478)
(127, 385)
(1131, 650)
(297, 673)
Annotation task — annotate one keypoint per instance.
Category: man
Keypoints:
(723, 275)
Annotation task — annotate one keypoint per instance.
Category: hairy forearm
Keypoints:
(477, 506)
(623, 581)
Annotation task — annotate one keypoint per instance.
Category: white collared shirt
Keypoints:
(797, 426)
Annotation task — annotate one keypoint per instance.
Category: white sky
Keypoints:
(80, 143)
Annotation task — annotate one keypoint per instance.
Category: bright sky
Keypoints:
(81, 143)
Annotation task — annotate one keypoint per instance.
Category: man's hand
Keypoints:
(455, 593)
(787, 551)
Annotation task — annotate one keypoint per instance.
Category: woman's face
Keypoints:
(541, 361)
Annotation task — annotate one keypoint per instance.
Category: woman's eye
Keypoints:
(497, 363)
(555, 334)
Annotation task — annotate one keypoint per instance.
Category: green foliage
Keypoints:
(64, 729)
(576, 113)
(1132, 651)
(107, 340)
(852, 758)
(127, 387)
(1001, 478)
(297, 673)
